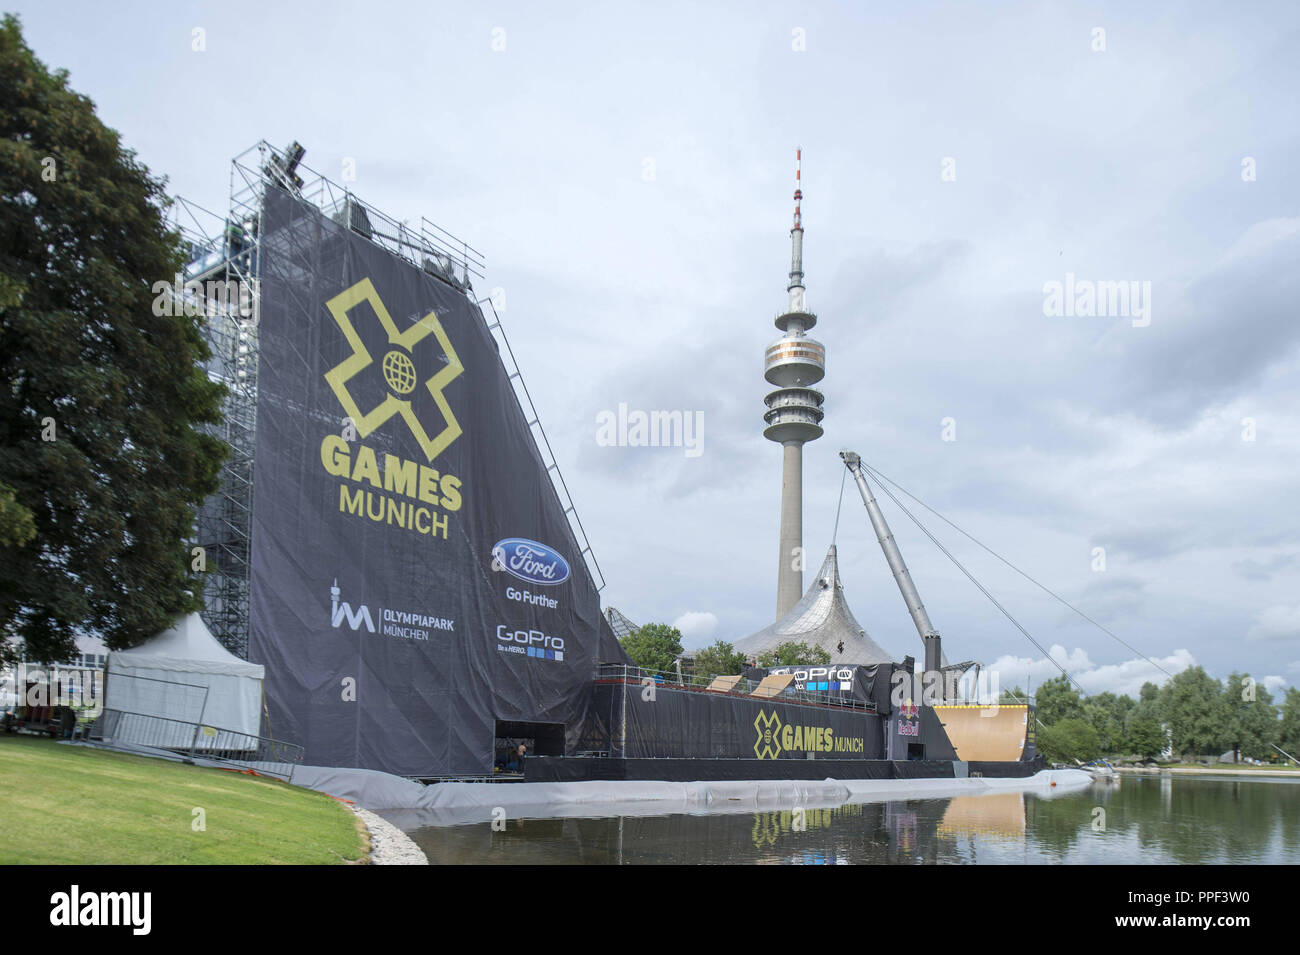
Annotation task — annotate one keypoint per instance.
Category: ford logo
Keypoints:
(530, 561)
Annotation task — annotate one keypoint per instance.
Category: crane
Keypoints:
(894, 557)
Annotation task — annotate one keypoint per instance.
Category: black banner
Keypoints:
(414, 577)
(658, 721)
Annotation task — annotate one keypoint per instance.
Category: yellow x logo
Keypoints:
(397, 368)
(768, 744)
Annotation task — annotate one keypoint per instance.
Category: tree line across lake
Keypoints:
(1192, 715)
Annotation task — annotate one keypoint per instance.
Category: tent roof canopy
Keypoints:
(821, 619)
(187, 647)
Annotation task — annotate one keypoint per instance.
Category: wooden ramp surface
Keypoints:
(724, 684)
(772, 685)
(979, 733)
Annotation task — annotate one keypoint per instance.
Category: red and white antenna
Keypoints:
(795, 287)
(798, 187)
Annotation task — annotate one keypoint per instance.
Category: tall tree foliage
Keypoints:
(794, 653)
(1252, 723)
(1108, 713)
(1057, 699)
(1193, 707)
(655, 646)
(717, 660)
(1289, 726)
(101, 462)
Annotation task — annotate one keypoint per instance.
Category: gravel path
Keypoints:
(388, 844)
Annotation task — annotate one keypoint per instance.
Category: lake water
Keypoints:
(1139, 820)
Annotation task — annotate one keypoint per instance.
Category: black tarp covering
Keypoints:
(391, 642)
(922, 769)
(1017, 770)
(629, 720)
(610, 650)
(544, 769)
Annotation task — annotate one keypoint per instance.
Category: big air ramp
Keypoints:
(986, 733)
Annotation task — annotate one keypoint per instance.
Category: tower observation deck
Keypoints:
(794, 363)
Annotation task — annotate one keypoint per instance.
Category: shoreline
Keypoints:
(388, 844)
(1207, 771)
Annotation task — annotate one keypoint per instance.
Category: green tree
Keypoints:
(655, 646)
(1144, 723)
(1057, 700)
(1194, 710)
(1108, 713)
(1148, 704)
(792, 653)
(1252, 718)
(1069, 739)
(1013, 695)
(718, 660)
(102, 462)
(1289, 727)
(1146, 737)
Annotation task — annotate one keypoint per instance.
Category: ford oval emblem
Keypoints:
(530, 561)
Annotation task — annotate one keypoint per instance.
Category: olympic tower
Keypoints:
(793, 363)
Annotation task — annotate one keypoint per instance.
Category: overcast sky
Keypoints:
(629, 175)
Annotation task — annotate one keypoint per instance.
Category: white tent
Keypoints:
(184, 675)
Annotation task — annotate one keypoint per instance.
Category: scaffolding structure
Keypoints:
(223, 277)
(619, 623)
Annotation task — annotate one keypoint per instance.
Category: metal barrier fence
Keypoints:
(188, 700)
(621, 673)
(197, 740)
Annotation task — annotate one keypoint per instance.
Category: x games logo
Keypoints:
(398, 370)
(768, 744)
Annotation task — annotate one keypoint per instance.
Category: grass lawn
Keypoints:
(72, 804)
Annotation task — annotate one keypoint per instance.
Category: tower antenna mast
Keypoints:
(794, 363)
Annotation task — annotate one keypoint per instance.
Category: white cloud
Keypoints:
(1279, 622)
(696, 627)
(1275, 684)
(1260, 236)
(1121, 678)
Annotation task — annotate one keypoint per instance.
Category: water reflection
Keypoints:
(1142, 820)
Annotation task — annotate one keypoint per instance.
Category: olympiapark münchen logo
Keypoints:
(768, 744)
(397, 368)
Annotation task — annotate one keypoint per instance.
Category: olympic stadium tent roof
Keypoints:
(821, 618)
(185, 675)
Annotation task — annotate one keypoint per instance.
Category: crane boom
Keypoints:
(894, 557)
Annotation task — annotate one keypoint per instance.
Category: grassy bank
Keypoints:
(1223, 769)
(71, 804)
(1243, 767)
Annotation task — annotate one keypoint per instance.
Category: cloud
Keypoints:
(1219, 335)
(875, 282)
(1279, 622)
(1253, 569)
(1111, 598)
(1275, 684)
(697, 626)
(1121, 678)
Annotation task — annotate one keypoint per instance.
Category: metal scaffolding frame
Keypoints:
(226, 257)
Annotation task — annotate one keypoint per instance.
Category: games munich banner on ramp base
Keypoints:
(414, 577)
